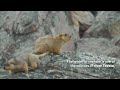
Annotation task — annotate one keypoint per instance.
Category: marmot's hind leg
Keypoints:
(25, 69)
(33, 66)
(57, 51)
(41, 49)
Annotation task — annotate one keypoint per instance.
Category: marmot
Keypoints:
(51, 44)
(23, 63)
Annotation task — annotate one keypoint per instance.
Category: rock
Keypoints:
(94, 13)
(116, 40)
(4, 74)
(19, 30)
(73, 66)
(99, 46)
(82, 29)
(83, 17)
(23, 22)
(106, 25)
(81, 20)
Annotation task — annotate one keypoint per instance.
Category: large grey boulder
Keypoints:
(99, 46)
(106, 25)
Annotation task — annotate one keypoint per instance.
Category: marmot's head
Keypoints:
(9, 65)
(65, 37)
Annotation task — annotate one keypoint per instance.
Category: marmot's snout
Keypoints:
(67, 36)
(6, 66)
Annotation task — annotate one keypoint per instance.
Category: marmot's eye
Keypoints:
(65, 34)
(6, 65)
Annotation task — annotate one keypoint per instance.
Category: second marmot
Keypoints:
(51, 44)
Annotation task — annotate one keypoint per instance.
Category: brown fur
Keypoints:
(51, 44)
(23, 63)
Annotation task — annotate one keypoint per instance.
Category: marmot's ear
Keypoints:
(61, 35)
(12, 61)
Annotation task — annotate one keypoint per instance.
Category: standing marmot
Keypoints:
(51, 44)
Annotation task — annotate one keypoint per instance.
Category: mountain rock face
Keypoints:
(98, 46)
(95, 32)
(106, 25)
(20, 29)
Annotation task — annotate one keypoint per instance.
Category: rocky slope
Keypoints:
(95, 32)
(72, 66)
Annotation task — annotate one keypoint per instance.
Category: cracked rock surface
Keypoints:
(71, 65)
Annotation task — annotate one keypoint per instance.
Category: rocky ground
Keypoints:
(62, 67)
(96, 37)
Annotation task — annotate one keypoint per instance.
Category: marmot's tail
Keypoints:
(43, 55)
